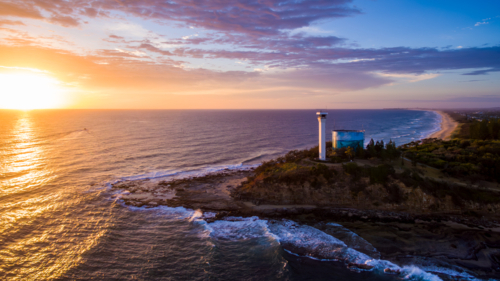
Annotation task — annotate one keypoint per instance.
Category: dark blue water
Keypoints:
(60, 220)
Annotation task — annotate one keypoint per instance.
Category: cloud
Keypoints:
(19, 9)
(484, 21)
(327, 79)
(24, 68)
(460, 101)
(65, 20)
(481, 23)
(476, 99)
(128, 29)
(463, 99)
(151, 48)
(266, 17)
(11, 22)
(474, 80)
(411, 77)
(483, 71)
(60, 12)
(422, 60)
(399, 60)
(311, 30)
(259, 32)
(131, 53)
(113, 70)
(118, 69)
(277, 37)
(90, 12)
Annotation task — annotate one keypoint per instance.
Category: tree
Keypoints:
(483, 131)
(350, 153)
(391, 150)
(494, 128)
(414, 159)
(371, 148)
(360, 152)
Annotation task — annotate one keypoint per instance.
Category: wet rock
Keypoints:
(392, 271)
(360, 266)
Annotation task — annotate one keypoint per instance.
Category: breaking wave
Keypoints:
(310, 242)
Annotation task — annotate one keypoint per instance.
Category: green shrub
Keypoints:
(353, 170)
(381, 173)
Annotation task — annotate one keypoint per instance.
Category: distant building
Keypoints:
(346, 138)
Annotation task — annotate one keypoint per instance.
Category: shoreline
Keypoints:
(448, 126)
(421, 224)
(450, 236)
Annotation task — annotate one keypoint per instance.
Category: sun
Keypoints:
(27, 91)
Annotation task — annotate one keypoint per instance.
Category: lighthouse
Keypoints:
(322, 135)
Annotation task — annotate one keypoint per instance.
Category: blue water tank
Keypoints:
(346, 138)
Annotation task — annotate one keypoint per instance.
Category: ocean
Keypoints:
(60, 220)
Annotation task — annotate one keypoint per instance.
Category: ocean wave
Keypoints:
(304, 241)
(236, 229)
(310, 242)
(179, 213)
(261, 155)
(350, 238)
(437, 119)
(409, 130)
(175, 174)
(448, 271)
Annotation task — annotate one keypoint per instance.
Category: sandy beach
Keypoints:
(448, 126)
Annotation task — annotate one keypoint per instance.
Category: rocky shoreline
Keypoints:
(470, 241)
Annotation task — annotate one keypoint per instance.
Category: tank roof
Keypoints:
(321, 113)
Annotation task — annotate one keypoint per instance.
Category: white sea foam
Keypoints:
(196, 215)
(179, 213)
(179, 174)
(235, 229)
(262, 155)
(437, 125)
(300, 240)
(447, 271)
(351, 239)
(415, 273)
(308, 241)
(183, 174)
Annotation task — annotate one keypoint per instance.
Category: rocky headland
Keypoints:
(405, 213)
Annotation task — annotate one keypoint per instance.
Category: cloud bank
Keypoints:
(266, 37)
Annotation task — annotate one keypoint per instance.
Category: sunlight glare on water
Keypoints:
(60, 220)
(35, 240)
(24, 166)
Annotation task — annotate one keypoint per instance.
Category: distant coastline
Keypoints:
(448, 126)
(380, 191)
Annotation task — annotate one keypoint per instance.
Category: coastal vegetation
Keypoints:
(470, 160)
(482, 125)
(487, 129)
(376, 178)
(375, 150)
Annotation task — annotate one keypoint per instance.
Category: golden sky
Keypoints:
(154, 54)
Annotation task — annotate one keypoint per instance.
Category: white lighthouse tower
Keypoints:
(322, 134)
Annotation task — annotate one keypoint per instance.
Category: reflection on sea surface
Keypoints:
(37, 230)
(24, 165)
(58, 219)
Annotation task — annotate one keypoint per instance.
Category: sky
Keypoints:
(249, 54)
